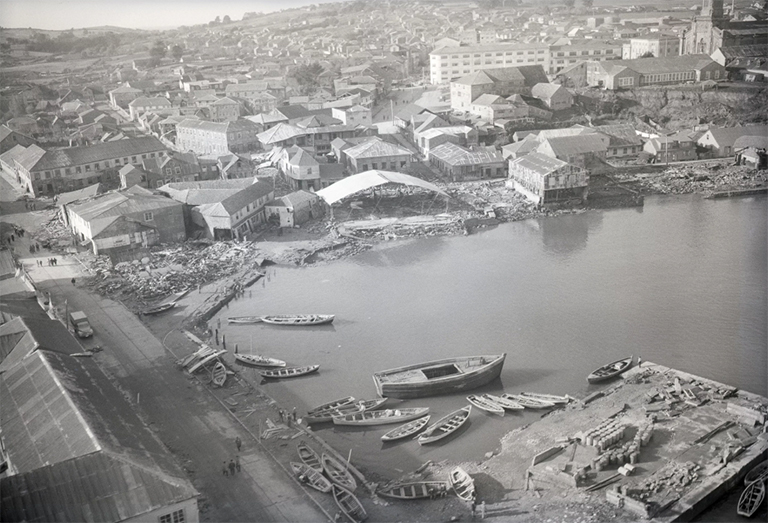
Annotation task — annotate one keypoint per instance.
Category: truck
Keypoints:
(80, 324)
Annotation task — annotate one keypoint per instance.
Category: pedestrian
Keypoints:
(198, 288)
(238, 443)
(237, 463)
(235, 348)
(282, 414)
(73, 281)
(218, 323)
(224, 341)
(232, 467)
(225, 469)
(12, 238)
(293, 413)
(217, 336)
(56, 261)
(482, 510)
(473, 507)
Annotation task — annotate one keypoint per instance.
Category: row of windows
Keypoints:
(79, 169)
(487, 55)
(392, 165)
(584, 53)
(668, 77)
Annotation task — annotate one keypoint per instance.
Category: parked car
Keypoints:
(80, 324)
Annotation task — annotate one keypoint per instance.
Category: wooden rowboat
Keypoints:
(311, 477)
(406, 430)
(159, 308)
(309, 456)
(609, 371)
(372, 404)
(331, 404)
(758, 472)
(202, 361)
(445, 426)
(439, 377)
(486, 404)
(414, 489)
(323, 416)
(751, 499)
(261, 361)
(337, 472)
(219, 374)
(527, 402)
(349, 504)
(381, 417)
(298, 319)
(244, 319)
(504, 402)
(462, 483)
(290, 372)
(557, 400)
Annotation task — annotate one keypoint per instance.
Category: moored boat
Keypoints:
(157, 309)
(309, 456)
(462, 483)
(289, 372)
(337, 472)
(414, 489)
(381, 417)
(325, 415)
(609, 371)
(349, 504)
(445, 426)
(504, 402)
(557, 400)
(403, 431)
(439, 376)
(331, 404)
(219, 374)
(751, 499)
(311, 477)
(527, 402)
(261, 361)
(244, 319)
(298, 319)
(372, 404)
(758, 472)
(485, 404)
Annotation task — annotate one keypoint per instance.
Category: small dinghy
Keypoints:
(751, 499)
(414, 490)
(758, 472)
(528, 403)
(337, 472)
(504, 402)
(463, 484)
(244, 319)
(219, 374)
(445, 426)
(485, 404)
(260, 361)
(157, 309)
(349, 504)
(298, 319)
(331, 404)
(309, 456)
(290, 372)
(381, 417)
(551, 398)
(609, 371)
(325, 415)
(311, 477)
(403, 431)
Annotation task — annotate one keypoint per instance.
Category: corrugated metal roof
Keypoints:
(375, 148)
(564, 146)
(60, 158)
(366, 180)
(456, 155)
(538, 163)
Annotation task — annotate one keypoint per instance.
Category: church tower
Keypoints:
(699, 38)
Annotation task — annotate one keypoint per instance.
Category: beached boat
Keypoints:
(438, 377)
(209, 356)
(261, 361)
(338, 472)
(462, 483)
(311, 477)
(372, 404)
(289, 372)
(157, 309)
(309, 456)
(485, 404)
(414, 489)
(504, 402)
(609, 371)
(758, 472)
(331, 404)
(403, 431)
(326, 415)
(219, 374)
(298, 319)
(445, 426)
(349, 504)
(551, 398)
(751, 499)
(244, 319)
(381, 417)
(527, 402)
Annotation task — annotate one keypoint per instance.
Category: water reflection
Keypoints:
(565, 235)
(402, 252)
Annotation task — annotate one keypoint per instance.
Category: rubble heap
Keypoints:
(704, 178)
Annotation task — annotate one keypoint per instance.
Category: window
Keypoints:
(148, 217)
(173, 517)
(374, 165)
(87, 168)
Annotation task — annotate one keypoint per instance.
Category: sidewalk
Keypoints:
(189, 421)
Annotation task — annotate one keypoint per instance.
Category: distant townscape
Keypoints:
(432, 117)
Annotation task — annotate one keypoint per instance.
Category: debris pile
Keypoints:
(704, 178)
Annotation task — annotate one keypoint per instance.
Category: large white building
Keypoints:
(563, 56)
(656, 46)
(449, 63)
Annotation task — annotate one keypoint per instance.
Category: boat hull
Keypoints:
(751, 499)
(610, 371)
(259, 361)
(349, 504)
(290, 372)
(338, 473)
(486, 404)
(309, 457)
(298, 320)
(381, 417)
(311, 477)
(415, 490)
(462, 483)
(445, 426)
(409, 429)
(439, 377)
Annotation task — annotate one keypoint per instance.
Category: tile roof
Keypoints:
(204, 192)
(30, 157)
(619, 134)
(726, 136)
(565, 146)
(375, 148)
(744, 51)
(664, 64)
(303, 159)
(101, 211)
(236, 202)
(489, 99)
(144, 101)
(538, 163)
(279, 133)
(545, 90)
(11, 154)
(297, 198)
(456, 155)
(60, 158)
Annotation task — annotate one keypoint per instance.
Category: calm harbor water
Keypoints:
(681, 282)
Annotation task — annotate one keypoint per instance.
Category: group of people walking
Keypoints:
(229, 469)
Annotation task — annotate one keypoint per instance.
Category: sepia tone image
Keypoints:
(384, 261)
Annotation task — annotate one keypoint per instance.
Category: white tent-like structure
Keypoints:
(368, 179)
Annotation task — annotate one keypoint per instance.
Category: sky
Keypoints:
(134, 14)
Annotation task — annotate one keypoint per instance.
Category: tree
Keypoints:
(157, 52)
(306, 76)
(226, 19)
(177, 52)
(588, 3)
